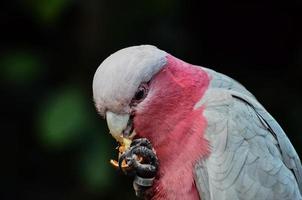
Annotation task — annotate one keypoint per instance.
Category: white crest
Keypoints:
(118, 77)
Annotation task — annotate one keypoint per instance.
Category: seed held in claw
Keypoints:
(125, 144)
(115, 164)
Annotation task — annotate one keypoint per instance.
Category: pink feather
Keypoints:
(168, 119)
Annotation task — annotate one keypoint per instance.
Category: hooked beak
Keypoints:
(120, 126)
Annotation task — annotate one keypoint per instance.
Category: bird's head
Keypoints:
(143, 91)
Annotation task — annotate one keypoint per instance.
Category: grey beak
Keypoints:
(116, 124)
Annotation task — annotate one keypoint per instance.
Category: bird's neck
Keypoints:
(178, 157)
(175, 128)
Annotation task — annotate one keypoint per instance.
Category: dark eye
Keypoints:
(141, 93)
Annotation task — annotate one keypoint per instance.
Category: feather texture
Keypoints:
(237, 149)
(118, 77)
(251, 156)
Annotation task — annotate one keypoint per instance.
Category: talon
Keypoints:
(116, 164)
(126, 159)
(148, 168)
(141, 142)
(121, 160)
(138, 160)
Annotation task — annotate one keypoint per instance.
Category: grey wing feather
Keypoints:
(251, 156)
(289, 155)
(203, 184)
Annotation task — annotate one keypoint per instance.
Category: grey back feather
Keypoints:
(251, 157)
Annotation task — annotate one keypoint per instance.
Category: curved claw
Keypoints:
(148, 168)
(134, 144)
(145, 168)
(141, 142)
(142, 163)
(121, 159)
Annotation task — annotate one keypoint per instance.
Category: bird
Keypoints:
(211, 138)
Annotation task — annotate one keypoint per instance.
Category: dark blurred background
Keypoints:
(50, 50)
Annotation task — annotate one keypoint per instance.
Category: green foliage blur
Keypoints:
(49, 57)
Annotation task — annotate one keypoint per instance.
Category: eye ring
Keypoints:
(141, 93)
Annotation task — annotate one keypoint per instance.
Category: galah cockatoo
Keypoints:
(201, 133)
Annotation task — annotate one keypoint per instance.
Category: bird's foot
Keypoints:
(142, 164)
